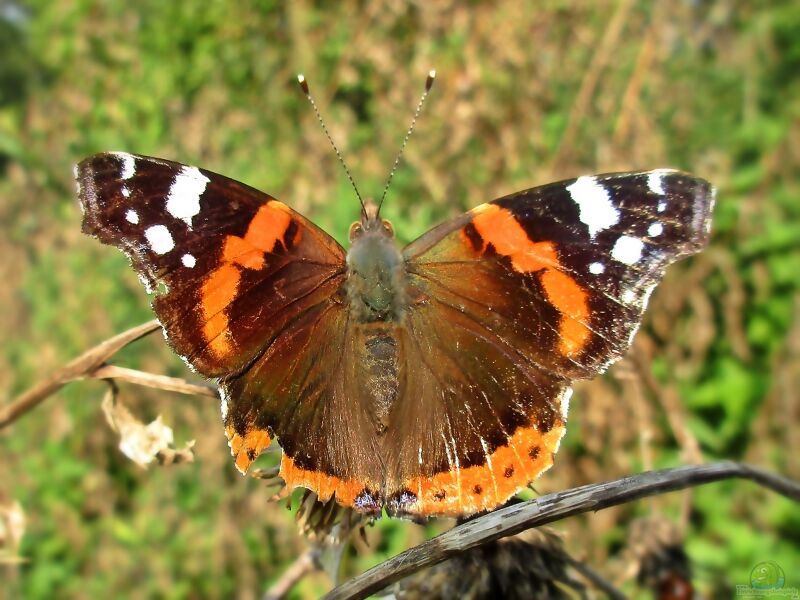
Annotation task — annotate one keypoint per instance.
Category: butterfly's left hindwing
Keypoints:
(230, 266)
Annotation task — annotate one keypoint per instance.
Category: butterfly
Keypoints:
(429, 380)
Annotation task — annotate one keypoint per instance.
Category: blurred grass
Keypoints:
(526, 93)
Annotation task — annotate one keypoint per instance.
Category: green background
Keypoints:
(526, 93)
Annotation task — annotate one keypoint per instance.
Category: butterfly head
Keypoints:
(371, 224)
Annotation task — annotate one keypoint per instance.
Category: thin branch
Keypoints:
(586, 93)
(668, 398)
(80, 367)
(594, 577)
(303, 565)
(161, 382)
(547, 509)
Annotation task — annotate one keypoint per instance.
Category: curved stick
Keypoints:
(82, 366)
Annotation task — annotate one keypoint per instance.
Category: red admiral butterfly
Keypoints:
(428, 380)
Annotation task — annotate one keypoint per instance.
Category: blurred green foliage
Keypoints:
(711, 87)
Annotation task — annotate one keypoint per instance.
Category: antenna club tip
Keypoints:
(301, 79)
(429, 80)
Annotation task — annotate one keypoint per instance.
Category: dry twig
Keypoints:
(91, 364)
(586, 92)
(161, 382)
(303, 565)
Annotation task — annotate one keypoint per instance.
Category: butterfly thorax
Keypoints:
(375, 273)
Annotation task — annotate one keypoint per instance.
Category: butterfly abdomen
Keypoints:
(380, 371)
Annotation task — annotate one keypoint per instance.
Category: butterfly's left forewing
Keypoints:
(567, 268)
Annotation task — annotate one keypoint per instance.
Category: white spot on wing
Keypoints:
(187, 363)
(125, 191)
(646, 296)
(183, 201)
(655, 229)
(565, 398)
(223, 404)
(596, 268)
(627, 249)
(188, 260)
(159, 239)
(594, 202)
(77, 181)
(655, 181)
(131, 216)
(146, 283)
(662, 205)
(128, 165)
(629, 296)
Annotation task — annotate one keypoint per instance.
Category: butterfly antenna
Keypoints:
(428, 86)
(304, 86)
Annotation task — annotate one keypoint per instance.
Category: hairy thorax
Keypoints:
(376, 279)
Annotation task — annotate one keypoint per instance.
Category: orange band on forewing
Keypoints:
(239, 251)
(569, 298)
(508, 469)
(266, 229)
(245, 449)
(498, 227)
(324, 486)
(268, 226)
(217, 292)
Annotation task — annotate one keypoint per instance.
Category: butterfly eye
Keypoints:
(387, 227)
(355, 230)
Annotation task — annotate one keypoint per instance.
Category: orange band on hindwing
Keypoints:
(267, 229)
(325, 486)
(245, 449)
(498, 226)
(508, 469)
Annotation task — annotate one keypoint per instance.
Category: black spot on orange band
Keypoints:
(246, 448)
(505, 471)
